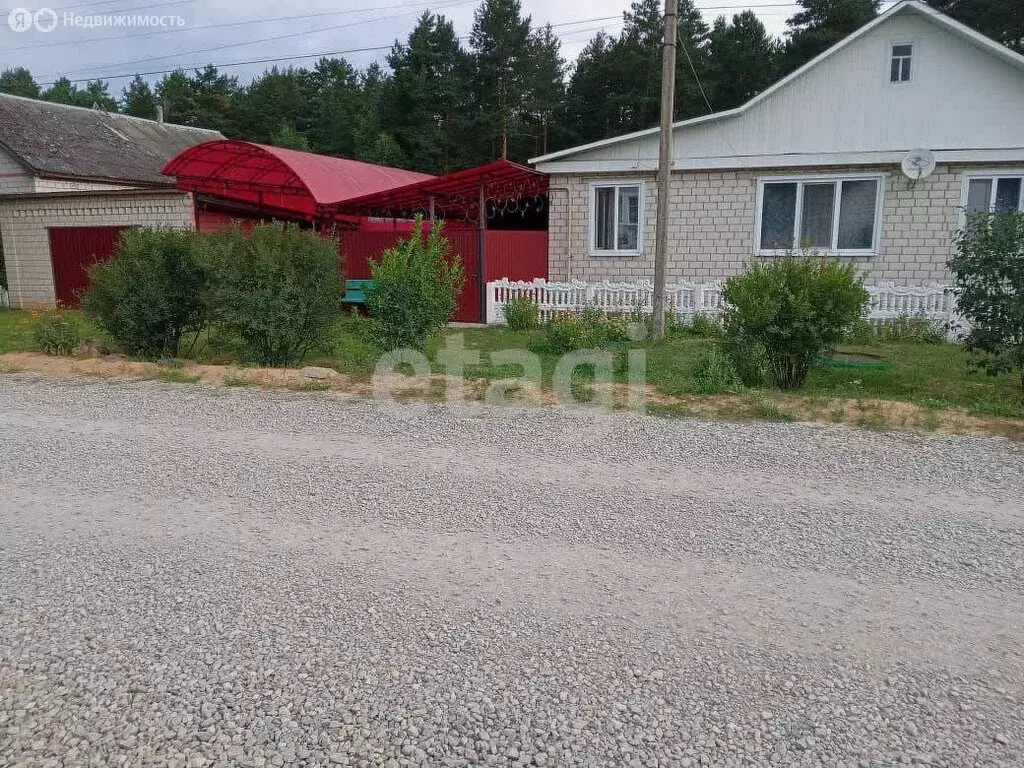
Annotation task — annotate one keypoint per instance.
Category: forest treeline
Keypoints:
(441, 102)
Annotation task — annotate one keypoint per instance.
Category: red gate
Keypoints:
(72, 251)
(358, 247)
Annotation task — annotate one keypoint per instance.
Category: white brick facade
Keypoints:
(712, 226)
(25, 221)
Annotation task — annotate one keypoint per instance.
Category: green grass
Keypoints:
(934, 376)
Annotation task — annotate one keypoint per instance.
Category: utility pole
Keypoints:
(668, 92)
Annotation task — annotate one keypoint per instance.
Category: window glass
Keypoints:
(778, 215)
(1007, 195)
(629, 218)
(816, 218)
(604, 219)
(979, 195)
(899, 71)
(857, 215)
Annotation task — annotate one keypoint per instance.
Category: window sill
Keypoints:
(829, 254)
(615, 254)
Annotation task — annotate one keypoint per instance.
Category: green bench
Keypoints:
(355, 291)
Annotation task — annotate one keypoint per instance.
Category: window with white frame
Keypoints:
(994, 194)
(830, 214)
(900, 62)
(616, 218)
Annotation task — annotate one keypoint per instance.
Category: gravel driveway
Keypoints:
(192, 577)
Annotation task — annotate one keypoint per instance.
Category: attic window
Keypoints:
(899, 67)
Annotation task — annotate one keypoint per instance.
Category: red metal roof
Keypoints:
(281, 178)
(455, 195)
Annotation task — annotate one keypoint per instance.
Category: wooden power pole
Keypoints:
(668, 92)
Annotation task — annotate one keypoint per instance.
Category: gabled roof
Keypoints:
(61, 141)
(285, 178)
(906, 6)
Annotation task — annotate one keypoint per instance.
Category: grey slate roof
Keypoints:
(78, 143)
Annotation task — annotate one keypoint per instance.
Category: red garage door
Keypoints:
(72, 251)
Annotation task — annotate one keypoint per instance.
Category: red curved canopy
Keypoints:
(282, 179)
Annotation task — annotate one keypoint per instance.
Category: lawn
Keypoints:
(934, 376)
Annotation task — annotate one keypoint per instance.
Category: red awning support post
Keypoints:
(481, 258)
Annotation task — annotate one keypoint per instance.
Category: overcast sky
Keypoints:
(232, 31)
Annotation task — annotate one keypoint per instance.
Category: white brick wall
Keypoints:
(711, 231)
(14, 179)
(24, 225)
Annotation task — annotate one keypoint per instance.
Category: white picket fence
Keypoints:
(888, 301)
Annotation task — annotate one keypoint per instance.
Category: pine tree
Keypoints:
(1002, 20)
(588, 114)
(336, 100)
(823, 23)
(743, 60)
(275, 98)
(425, 102)
(500, 41)
(138, 99)
(286, 136)
(545, 86)
(19, 82)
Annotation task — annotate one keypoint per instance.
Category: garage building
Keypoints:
(71, 179)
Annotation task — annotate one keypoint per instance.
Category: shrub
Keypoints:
(747, 358)
(567, 333)
(415, 289)
(794, 309)
(989, 271)
(715, 373)
(55, 332)
(154, 290)
(278, 290)
(705, 327)
(591, 329)
(522, 314)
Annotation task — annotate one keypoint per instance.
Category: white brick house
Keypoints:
(816, 158)
(68, 174)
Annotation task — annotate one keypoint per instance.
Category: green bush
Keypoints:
(522, 314)
(415, 289)
(716, 373)
(907, 329)
(591, 329)
(794, 309)
(154, 290)
(747, 358)
(989, 271)
(277, 289)
(55, 332)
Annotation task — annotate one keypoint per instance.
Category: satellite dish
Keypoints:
(918, 164)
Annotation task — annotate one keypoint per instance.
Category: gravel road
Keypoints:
(199, 577)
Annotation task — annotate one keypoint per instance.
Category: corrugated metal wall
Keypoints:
(72, 251)
(518, 255)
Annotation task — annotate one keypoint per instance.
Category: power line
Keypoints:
(321, 54)
(222, 25)
(272, 38)
(225, 25)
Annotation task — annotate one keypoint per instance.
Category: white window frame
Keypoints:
(913, 61)
(994, 174)
(592, 227)
(835, 178)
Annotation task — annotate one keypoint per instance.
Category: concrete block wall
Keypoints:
(711, 231)
(24, 225)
